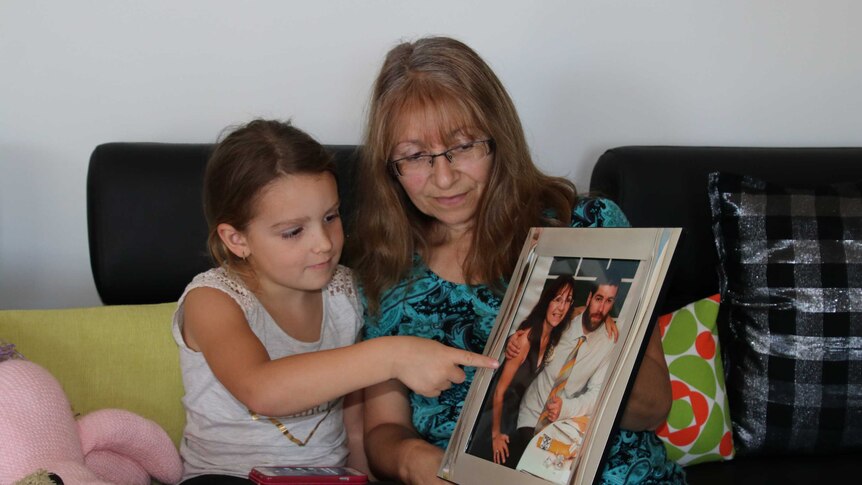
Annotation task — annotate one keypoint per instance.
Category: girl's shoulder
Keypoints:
(598, 212)
(343, 282)
(224, 281)
(343, 286)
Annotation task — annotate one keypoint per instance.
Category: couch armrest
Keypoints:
(120, 356)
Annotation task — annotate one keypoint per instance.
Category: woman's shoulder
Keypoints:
(598, 212)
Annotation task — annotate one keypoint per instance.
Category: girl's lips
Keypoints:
(322, 265)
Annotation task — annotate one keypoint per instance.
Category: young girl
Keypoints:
(267, 337)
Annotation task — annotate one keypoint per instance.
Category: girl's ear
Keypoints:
(234, 240)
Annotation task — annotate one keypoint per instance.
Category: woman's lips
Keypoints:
(452, 200)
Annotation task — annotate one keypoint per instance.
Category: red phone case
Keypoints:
(306, 475)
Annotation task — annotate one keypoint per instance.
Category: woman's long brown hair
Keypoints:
(443, 79)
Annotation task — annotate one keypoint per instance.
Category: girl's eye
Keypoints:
(292, 233)
(331, 217)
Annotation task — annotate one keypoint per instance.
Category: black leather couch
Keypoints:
(146, 226)
(666, 186)
(147, 235)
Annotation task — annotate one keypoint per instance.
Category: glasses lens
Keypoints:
(420, 165)
(412, 166)
(469, 152)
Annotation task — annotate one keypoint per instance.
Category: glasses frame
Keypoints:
(393, 164)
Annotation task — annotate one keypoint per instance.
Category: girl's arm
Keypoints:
(353, 423)
(651, 397)
(214, 324)
(395, 451)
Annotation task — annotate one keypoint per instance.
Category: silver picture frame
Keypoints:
(568, 449)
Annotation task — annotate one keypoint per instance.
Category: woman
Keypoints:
(448, 192)
(541, 333)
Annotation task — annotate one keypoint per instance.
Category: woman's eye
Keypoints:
(415, 157)
(466, 147)
(292, 233)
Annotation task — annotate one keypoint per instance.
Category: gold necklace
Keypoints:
(286, 432)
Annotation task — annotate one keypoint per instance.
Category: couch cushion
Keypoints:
(665, 186)
(791, 279)
(698, 427)
(147, 231)
(107, 357)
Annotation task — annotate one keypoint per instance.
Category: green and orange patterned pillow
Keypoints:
(698, 427)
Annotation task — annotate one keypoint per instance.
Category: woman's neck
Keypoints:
(447, 258)
(543, 342)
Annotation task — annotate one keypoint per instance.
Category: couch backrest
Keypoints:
(147, 232)
(666, 186)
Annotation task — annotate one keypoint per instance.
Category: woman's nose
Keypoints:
(442, 172)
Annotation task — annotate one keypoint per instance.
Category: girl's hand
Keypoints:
(429, 367)
(500, 442)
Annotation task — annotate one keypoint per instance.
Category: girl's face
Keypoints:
(448, 193)
(559, 306)
(295, 238)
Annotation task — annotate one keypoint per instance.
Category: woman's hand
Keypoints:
(513, 347)
(553, 407)
(428, 367)
(500, 443)
(611, 328)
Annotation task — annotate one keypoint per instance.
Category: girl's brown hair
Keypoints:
(447, 81)
(245, 162)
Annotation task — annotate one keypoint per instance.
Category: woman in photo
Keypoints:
(541, 333)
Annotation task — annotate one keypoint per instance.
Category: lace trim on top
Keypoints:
(342, 282)
(223, 279)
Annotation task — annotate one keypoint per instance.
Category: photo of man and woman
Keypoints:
(539, 402)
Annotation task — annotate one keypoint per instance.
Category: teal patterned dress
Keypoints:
(458, 315)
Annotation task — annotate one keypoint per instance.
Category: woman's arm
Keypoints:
(651, 397)
(499, 441)
(214, 324)
(395, 451)
(354, 412)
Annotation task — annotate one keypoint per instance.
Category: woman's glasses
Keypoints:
(418, 166)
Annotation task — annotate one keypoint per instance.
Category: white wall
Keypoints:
(586, 76)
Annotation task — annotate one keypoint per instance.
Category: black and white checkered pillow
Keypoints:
(791, 284)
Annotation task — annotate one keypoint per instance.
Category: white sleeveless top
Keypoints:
(221, 436)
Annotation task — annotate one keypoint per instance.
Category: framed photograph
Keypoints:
(569, 337)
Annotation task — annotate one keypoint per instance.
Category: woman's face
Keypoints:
(559, 306)
(448, 193)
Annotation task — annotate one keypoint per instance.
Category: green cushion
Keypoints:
(118, 356)
(698, 428)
